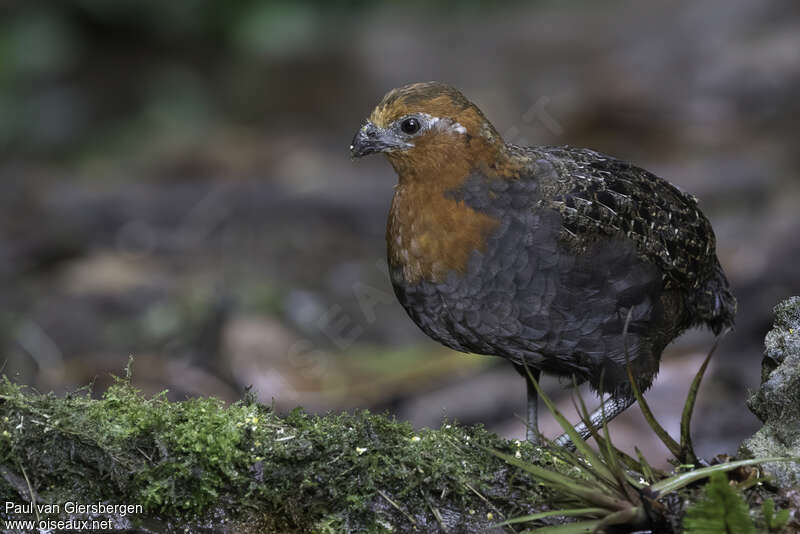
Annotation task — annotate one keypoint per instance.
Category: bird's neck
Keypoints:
(439, 170)
(444, 162)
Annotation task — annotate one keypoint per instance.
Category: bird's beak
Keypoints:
(371, 139)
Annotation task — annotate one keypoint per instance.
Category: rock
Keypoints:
(777, 402)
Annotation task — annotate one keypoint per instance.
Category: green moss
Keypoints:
(200, 459)
(774, 520)
(721, 509)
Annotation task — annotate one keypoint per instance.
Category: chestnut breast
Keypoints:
(430, 234)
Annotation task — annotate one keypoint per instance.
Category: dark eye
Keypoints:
(410, 126)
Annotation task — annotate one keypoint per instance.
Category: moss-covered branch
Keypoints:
(244, 468)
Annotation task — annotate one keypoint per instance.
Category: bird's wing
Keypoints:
(609, 197)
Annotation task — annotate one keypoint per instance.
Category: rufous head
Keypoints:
(427, 127)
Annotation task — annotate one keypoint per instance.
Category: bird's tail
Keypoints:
(714, 302)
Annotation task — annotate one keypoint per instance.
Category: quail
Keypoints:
(561, 260)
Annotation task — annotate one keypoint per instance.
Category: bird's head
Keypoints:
(426, 127)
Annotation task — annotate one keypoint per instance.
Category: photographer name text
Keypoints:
(71, 507)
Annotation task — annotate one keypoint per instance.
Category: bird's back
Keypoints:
(601, 197)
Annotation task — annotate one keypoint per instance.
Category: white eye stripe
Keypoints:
(444, 124)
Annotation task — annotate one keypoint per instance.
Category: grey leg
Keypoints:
(613, 407)
(532, 407)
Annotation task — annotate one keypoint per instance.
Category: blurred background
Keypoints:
(175, 185)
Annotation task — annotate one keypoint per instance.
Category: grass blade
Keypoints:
(579, 527)
(684, 479)
(629, 462)
(688, 408)
(570, 512)
(566, 484)
(572, 459)
(647, 471)
(579, 443)
(632, 517)
(609, 463)
(662, 434)
(611, 455)
(628, 486)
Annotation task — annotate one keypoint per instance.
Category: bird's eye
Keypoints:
(410, 126)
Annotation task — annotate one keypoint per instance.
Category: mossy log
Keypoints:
(202, 466)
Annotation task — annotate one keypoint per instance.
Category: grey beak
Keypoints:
(371, 139)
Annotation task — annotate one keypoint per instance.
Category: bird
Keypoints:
(562, 260)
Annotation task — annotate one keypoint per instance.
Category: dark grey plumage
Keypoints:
(583, 239)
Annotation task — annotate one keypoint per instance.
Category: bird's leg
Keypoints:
(612, 407)
(532, 407)
(532, 429)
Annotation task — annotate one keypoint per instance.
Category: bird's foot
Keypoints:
(533, 436)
